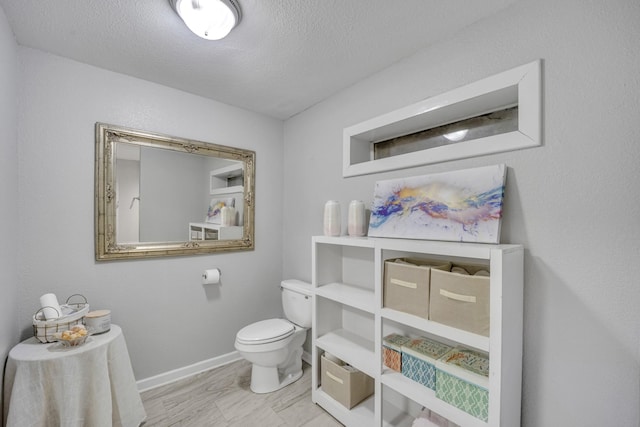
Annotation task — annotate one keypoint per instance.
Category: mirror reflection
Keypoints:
(190, 190)
(168, 196)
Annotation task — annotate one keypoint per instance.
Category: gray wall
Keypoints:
(128, 209)
(573, 202)
(172, 186)
(8, 189)
(170, 320)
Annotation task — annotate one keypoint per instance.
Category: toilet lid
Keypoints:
(265, 331)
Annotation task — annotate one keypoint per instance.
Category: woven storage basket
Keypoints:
(72, 314)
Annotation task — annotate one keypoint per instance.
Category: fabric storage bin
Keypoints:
(461, 300)
(344, 383)
(392, 351)
(419, 358)
(406, 284)
(462, 380)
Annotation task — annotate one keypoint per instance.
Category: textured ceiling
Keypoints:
(285, 56)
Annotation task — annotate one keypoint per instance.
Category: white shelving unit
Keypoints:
(206, 231)
(219, 178)
(349, 321)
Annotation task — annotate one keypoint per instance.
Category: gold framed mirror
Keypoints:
(159, 195)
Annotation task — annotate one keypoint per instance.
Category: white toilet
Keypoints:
(274, 346)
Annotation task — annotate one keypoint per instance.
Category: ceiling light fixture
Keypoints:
(209, 19)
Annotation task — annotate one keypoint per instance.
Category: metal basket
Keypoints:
(72, 314)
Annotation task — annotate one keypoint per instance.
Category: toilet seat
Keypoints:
(265, 331)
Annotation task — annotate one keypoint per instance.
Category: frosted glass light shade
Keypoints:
(457, 135)
(209, 19)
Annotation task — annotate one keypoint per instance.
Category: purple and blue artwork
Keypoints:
(463, 206)
(215, 209)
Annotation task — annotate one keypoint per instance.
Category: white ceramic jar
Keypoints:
(227, 216)
(356, 219)
(332, 218)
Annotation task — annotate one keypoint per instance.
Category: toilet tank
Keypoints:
(296, 301)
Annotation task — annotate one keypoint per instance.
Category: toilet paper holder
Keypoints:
(211, 276)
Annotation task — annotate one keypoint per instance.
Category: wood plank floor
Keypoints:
(221, 397)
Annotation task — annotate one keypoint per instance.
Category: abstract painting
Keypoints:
(463, 206)
(215, 209)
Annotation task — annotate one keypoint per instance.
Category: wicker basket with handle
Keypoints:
(72, 314)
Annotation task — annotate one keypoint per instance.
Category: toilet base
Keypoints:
(275, 365)
(268, 379)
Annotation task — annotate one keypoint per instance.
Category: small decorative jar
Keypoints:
(356, 218)
(98, 321)
(332, 218)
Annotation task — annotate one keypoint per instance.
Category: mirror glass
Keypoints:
(158, 195)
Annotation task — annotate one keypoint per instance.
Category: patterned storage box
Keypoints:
(462, 379)
(419, 357)
(392, 350)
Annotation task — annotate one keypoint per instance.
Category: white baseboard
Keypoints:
(196, 368)
(187, 371)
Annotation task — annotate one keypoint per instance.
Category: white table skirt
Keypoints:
(90, 385)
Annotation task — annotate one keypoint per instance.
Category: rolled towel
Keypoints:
(459, 270)
(440, 421)
(482, 273)
(423, 422)
(425, 413)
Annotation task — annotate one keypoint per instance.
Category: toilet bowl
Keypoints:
(274, 346)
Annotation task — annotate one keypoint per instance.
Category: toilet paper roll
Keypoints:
(211, 277)
(50, 307)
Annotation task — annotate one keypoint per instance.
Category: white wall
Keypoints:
(8, 188)
(573, 202)
(169, 319)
